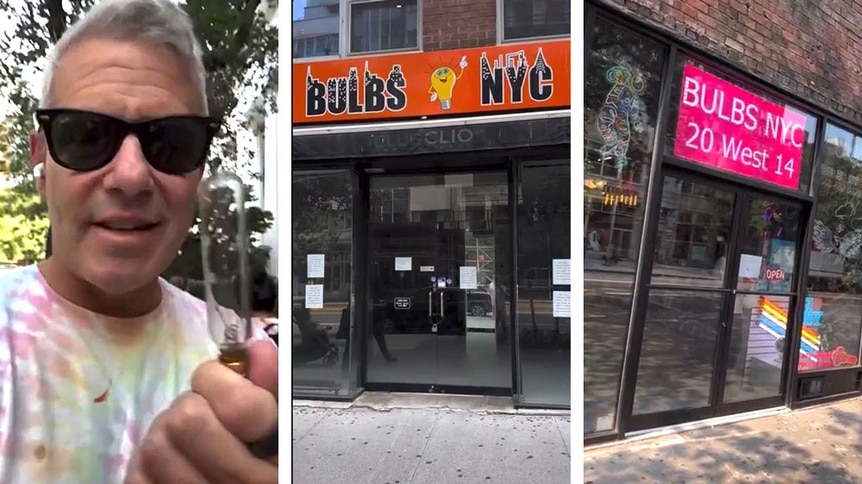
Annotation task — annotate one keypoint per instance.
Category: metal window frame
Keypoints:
(501, 27)
(819, 159)
(300, 60)
(643, 269)
(514, 322)
(339, 55)
(717, 407)
(357, 291)
(346, 14)
(517, 167)
(740, 74)
(366, 173)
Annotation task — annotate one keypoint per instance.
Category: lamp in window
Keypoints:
(617, 196)
(591, 184)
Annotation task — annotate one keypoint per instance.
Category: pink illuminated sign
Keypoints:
(726, 127)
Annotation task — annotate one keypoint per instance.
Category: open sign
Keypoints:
(776, 274)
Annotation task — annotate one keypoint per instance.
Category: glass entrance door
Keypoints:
(721, 294)
(439, 251)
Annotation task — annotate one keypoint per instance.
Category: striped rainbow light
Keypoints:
(773, 320)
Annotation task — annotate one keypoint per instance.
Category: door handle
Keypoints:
(442, 310)
(430, 313)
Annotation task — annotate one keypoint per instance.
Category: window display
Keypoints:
(832, 324)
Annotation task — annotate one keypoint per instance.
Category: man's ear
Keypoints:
(38, 157)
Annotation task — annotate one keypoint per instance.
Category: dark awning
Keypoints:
(445, 139)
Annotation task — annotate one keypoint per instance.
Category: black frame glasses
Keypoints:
(84, 141)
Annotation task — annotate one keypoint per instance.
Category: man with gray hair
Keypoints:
(106, 370)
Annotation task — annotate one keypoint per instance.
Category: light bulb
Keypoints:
(224, 252)
(442, 83)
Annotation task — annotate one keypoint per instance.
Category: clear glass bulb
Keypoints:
(224, 250)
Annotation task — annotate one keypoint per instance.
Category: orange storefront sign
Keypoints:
(464, 81)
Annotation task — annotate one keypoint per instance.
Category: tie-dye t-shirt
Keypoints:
(78, 390)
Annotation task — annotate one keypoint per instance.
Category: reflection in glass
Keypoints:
(693, 232)
(322, 282)
(833, 319)
(315, 29)
(438, 281)
(759, 334)
(757, 346)
(544, 234)
(768, 259)
(622, 87)
(676, 363)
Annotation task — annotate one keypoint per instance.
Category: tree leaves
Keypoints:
(22, 235)
(240, 54)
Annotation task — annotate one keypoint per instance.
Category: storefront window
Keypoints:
(530, 19)
(544, 239)
(832, 321)
(316, 29)
(623, 83)
(380, 26)
(322, 251)
(722, 124)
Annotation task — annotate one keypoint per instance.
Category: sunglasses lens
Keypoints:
(176, 145)
(84, 141)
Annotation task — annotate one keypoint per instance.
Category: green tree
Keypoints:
(240, 54)
(22, 230)
(317, 200)
(223, 257)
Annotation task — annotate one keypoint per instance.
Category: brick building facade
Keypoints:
(809, 49)
(732, 131)
(454, 24)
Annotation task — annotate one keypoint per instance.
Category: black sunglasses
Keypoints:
(85, 141)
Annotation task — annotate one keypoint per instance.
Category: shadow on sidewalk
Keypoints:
(817, 445)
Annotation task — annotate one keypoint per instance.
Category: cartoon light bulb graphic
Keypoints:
(443, 83)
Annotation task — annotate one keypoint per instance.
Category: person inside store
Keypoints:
(107, 371)
(311, 343)
(344, 332)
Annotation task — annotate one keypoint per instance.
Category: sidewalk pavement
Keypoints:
(384, 438)
(821, 444)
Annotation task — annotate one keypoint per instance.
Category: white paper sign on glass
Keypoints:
(469, 277)
(315, 264)
(314, 296)
(403, 263)
(562, 304)
(562, 272)
(749, 266)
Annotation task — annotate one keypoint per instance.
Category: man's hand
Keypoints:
(203, 437)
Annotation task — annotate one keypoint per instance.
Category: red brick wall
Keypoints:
(453, 24)
(812, 48)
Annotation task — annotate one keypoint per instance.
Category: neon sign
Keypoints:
(773, 320)
(810, 317)
(726, 127)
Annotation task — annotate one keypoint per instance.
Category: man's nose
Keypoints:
(129, 172)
